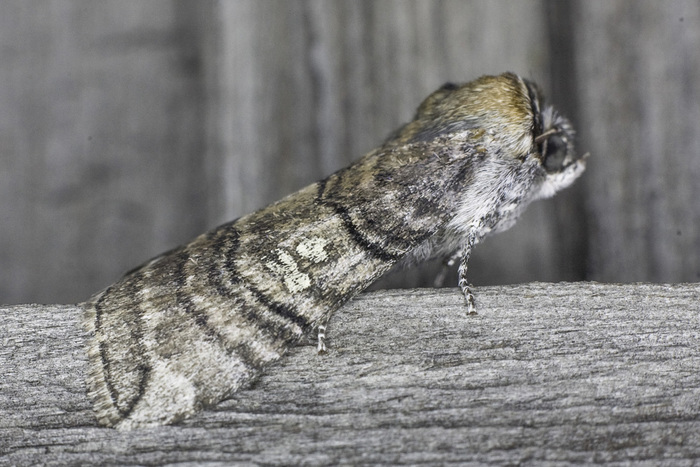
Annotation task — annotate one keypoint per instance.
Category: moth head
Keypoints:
(508, 115)
(553, 145)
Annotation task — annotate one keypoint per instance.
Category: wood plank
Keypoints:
(102, 140)
(141, 125)
(546, 373)
(637, 67)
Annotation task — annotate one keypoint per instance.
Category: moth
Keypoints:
(191, 326)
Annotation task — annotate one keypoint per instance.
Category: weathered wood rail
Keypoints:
(546, 373)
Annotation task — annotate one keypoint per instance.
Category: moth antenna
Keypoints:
(546, 134)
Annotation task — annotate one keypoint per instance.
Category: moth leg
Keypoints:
(321, 333)
(446, 265)
(463, 282)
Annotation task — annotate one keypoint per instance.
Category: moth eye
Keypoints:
(554, 152)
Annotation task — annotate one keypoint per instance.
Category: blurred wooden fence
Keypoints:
(127, 127)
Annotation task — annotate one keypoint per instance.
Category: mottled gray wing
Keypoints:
(193, 325)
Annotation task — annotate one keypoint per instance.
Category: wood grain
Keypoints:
(129, 127)
(546, 373)
(640, 107)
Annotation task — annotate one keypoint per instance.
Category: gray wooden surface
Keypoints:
(545, 374)
(639, 114)
(127, 127)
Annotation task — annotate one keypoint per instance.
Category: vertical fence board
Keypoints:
(638, 70)
(101, 142)
(128, 127)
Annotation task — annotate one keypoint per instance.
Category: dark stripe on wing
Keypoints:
(225, 243)
(373, 248)
(143, 368)
(201, 318)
